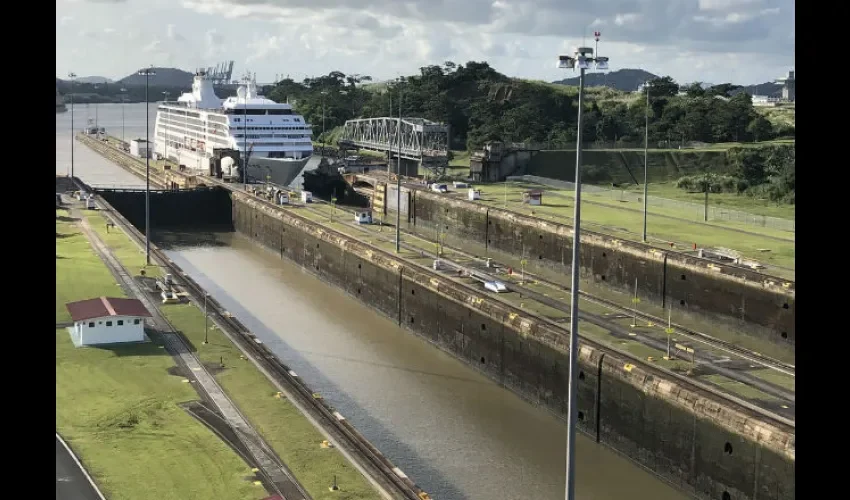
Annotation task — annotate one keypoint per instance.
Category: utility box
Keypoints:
(306, 197)
(533, 197)
(140, 148)
(363, 217)
(474, 194)
(282, 197)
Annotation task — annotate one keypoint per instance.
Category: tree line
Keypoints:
(481, 104)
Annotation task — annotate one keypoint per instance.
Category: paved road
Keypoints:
(71, 483)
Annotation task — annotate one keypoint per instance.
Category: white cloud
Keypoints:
(688, 39)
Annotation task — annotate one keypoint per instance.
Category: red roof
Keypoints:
(106, 306)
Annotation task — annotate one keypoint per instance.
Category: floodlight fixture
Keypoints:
(566, 62)
(583, 62)
(602, 63)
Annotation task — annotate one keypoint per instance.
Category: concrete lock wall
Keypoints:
(173, 209)
(392, 199)
(748, 301)
(705, 444)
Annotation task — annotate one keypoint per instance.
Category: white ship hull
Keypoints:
(282, 171)
(279, 171)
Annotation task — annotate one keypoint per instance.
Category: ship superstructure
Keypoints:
(275, 140)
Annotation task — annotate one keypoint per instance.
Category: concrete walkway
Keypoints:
(264, 456)
(72, 481)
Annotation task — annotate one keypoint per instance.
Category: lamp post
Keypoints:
(71, 76)
(165, 129)
(582, 58)
(206, 321)
(147, 73)
(398, 181)
(645, 158)
(324, 93)
(123, 102)
(96, 109)
(245, 133)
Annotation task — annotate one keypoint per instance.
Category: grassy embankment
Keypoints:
(283, 426)
(118, 406)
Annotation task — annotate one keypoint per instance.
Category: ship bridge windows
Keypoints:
(249, 111)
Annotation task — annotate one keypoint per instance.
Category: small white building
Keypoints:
(107, 320)
(140, 148)
(473, 194)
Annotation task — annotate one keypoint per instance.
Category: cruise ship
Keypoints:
(191, 130)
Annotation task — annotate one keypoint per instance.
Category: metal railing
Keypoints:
(682, 209)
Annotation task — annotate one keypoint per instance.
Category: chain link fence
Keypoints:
(683, 209)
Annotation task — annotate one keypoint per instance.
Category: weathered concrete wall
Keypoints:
(173, 209)
(697, 439)
(747, 300)
(626, 166)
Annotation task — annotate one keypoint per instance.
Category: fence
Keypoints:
(683, 209)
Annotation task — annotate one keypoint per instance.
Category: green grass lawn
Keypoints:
(118, 406)
(292, 436)
(80, 274)
(628, 224)
(288, 431)
(731, 201)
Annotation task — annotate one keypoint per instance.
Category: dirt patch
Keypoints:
(65, 218)
(176, 371)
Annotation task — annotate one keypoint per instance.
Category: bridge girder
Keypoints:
(422, 140)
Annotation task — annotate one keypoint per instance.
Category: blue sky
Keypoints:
(743, 41)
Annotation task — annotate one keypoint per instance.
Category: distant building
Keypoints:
(140, 148)
(788, 82)
(764, 100)
(107, 321)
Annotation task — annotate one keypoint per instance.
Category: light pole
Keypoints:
(645, 158)
(206, 322)
(96, 108)
(582, 58)
(147, 73)
(398, 181)
(324, 93)
(123, 101)
(165, 129)
(71, 76)
(245, 133)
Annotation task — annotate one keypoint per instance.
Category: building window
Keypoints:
(108, 323)
(120, 322)
(91, 324)
(136, 321)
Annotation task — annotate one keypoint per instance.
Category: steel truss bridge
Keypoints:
(422, 141)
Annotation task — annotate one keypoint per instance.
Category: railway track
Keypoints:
(599, 320)
(696, 336)
(392, 479)
(595, 319)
